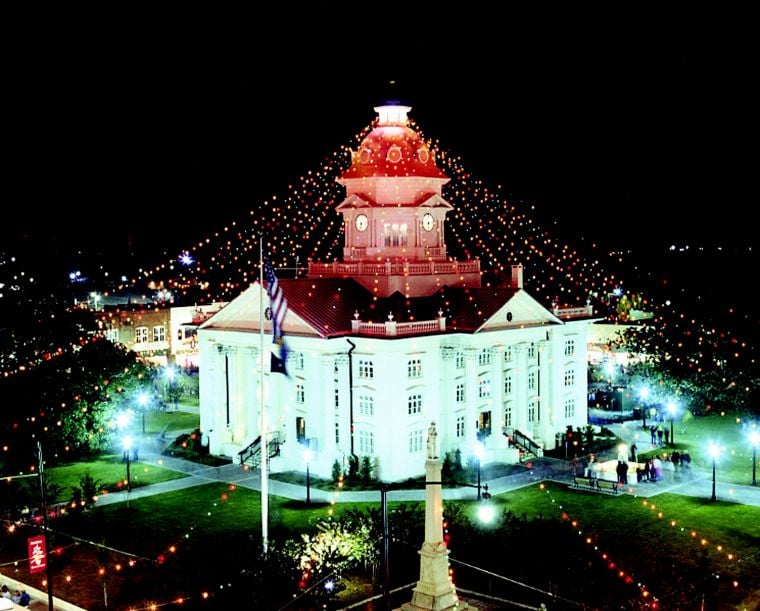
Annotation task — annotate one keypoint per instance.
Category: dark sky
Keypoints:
(631, 127)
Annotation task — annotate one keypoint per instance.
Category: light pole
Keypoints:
(714, 451)
(142, 401)
(127, 442)
(754, 439)
(307, 455)
(479, 453)
(644, 395)
(672, 408)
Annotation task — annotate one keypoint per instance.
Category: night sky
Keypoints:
(630, 130)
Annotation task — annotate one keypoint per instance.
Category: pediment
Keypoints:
(352, 202)
(521, 310)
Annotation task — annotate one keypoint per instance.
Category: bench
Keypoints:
(597, 485)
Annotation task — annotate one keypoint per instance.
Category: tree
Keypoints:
(685, 359)
(365, 470)
(337, 472)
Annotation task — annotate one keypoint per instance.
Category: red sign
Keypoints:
(37, 554)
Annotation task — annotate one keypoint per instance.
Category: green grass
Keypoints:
(734, 464)
(109, 471)
(156, 422)
(219, 515)
(630, 529)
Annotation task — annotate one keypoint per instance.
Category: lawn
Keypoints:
(225, 522)
(159, 421)
(109, 471)
(734, 464)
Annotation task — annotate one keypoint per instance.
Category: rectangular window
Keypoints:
(337, 433)
(569, 347)
(532, 410)
(507, 383)
(141, 335)
(414, 404)
(460, 426)
(299, 360)
(366, 405)
(366, 442)
(460, 360)
(366, 369)
(532, 350)
(569, 408)
(484, 357)
(484, 388)
(460, 392)
(337, 398)
(508, 413)
(531, 380)
(414, 368)
(112, 335)
(415, 442)
(159, 334)
(300, 394)
(509, 354)
(569, 377)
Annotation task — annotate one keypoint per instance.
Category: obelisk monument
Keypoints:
(434, 590)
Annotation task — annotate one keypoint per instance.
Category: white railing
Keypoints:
(574, 312)
(393, 328)
(393, 268)
(420, 326)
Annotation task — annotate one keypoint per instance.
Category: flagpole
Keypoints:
(263, 427)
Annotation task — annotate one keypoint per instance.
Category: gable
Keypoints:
(435, 201)
(242, 314)
(352, 202)
(521, 310)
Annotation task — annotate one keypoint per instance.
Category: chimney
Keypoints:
(517, 277)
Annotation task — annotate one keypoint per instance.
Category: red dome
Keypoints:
(393, 151)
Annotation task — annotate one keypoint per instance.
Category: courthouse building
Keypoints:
(392, 337)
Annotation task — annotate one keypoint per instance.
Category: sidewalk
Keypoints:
(694, 482)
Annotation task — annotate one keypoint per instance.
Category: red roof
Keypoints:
(393, 151)
(329, 305)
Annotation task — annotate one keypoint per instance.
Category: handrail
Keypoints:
(522, 440)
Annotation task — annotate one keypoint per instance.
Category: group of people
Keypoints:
(18, 597)
(655, 467)
(657, 433)
(622, 472)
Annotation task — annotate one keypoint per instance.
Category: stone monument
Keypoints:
(434, 591)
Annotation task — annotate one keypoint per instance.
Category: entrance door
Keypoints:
(300, 429)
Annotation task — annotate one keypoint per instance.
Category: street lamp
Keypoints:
(672, 408)
(754, 439)
(127, 443)
(479, 453)
(714, 451)
(307, 455)
(644, 395)
(142, 401)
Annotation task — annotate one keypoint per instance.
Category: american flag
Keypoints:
(278, 306)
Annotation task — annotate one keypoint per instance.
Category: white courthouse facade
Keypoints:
(393, 337)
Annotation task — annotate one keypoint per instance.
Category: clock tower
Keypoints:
(395, 216)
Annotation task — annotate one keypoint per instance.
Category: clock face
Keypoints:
(428, 222)
(361, 222)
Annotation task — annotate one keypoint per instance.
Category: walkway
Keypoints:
(694, 482)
